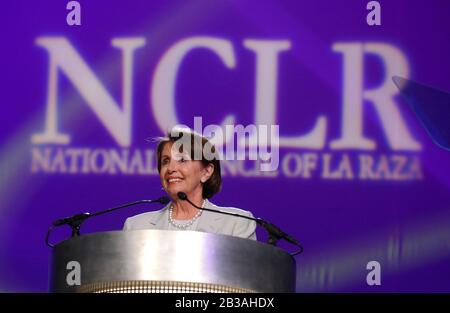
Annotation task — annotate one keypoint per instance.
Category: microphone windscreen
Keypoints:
(182, 195)
(164, 200)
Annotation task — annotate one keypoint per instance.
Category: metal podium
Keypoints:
(169, 261)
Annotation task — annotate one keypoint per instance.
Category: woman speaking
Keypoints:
(188, 163)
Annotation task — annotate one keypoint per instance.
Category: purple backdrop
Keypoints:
(375, 188)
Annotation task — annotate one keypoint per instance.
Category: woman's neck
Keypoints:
(183, 210)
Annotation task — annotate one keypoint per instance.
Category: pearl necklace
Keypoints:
(184, 225)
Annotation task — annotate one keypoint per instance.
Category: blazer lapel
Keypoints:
(157, 219)
(210, 221)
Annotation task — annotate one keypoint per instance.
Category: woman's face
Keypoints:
(180, 173)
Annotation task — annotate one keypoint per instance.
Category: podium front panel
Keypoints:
(169, 261)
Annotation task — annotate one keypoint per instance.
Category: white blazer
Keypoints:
(209, 222)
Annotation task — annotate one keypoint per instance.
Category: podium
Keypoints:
(169, 261)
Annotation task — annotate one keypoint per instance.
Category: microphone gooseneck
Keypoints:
(275, 233)
(76, 220)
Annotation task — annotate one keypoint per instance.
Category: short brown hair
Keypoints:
(214, 183)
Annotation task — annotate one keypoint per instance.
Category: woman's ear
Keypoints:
(207, 172)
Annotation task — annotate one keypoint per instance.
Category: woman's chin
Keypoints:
(173, 190)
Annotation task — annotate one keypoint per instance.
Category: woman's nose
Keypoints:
(171, 167)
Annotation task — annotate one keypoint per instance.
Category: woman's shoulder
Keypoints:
(148, 214)
(211, 205)
(143, 220)
(231, 225)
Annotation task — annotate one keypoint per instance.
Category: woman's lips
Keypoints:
(173, 180)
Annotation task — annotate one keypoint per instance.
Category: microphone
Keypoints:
(76, 220)
(84, 216)
(275, 233)
(71, 219)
